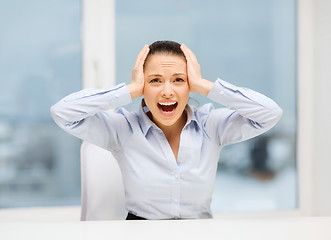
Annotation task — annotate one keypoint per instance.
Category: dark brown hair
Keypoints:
(167, 47)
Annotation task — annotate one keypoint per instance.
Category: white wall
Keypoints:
(314, 115)
(322, 108)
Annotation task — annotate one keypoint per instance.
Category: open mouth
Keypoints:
(167, 106)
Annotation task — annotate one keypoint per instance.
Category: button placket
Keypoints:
(176, 193)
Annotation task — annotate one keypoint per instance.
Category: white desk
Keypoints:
(221, 229)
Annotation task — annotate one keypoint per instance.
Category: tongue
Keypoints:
(167, 108)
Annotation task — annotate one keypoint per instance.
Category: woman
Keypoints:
(167, 151)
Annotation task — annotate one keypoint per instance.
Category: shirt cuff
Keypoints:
(222, 92)
(119, 96)
(226, 94)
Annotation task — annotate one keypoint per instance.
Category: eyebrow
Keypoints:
(159, 75)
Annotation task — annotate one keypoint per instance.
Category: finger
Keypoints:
(184, 50)
(145, 55)
(142, 56)
(191, 54)
(188, 53)
(141, 53)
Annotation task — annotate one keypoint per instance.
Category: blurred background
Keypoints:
(40, 62)
(251, 44)
(247, 43)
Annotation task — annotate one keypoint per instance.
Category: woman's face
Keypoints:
(166, 89)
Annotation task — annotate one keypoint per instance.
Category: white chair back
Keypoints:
(103, 196)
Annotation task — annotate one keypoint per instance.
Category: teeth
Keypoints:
(167, 103)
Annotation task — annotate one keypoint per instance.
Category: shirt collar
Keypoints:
(146, 123)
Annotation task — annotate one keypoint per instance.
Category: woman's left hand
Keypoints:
(196, 82)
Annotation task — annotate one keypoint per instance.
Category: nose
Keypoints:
(167, 91)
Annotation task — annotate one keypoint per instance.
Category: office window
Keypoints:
(40, 62)
(247, 43)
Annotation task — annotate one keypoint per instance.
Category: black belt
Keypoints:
(134, 217)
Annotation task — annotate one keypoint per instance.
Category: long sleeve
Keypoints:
(84, 114)
(247, 115)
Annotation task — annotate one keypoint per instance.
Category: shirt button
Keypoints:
(117, 95)
(176, 176)
(175, 200)
(222, 92)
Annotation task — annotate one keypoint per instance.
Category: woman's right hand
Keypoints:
(136, 87)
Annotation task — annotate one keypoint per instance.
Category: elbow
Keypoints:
(274, 117)
(53, 111)
(62, 119)
(278, 112)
